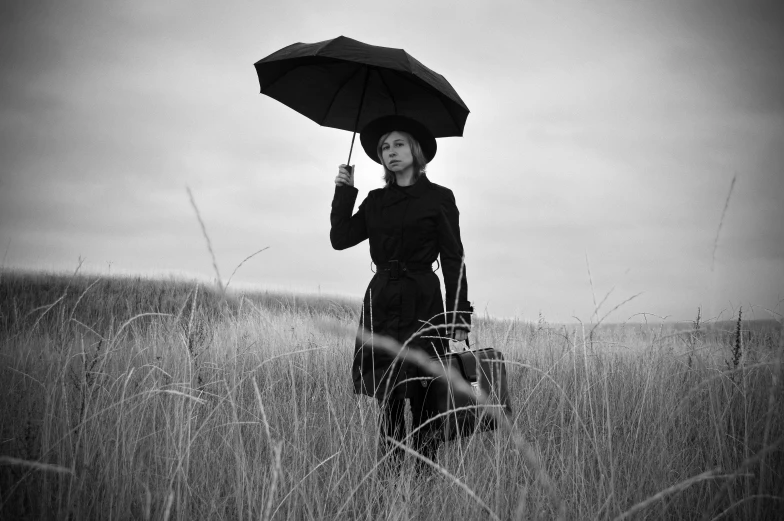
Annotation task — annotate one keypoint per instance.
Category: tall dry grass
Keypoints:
(130, 398)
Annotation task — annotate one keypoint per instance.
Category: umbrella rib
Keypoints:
(262, 89)
(440, 100)
(391, 94)
(430, 85)
(451, 116)
(282, 76)
(332, 102)
(427, 87)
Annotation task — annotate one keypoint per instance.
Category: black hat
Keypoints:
(378, 127)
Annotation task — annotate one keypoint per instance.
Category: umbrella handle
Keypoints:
(348, 163)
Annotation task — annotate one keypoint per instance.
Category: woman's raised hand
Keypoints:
(345, 176)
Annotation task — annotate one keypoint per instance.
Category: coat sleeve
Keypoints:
(347, 230)
(451, 250)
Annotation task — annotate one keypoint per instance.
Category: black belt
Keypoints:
(396, 267)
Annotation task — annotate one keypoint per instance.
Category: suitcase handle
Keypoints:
(467, 343)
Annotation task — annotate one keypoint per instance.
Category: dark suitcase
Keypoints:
(482, 369)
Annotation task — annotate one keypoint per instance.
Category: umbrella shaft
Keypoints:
(350, 150)
(356, 121)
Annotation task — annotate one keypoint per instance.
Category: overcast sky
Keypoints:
(606, 131)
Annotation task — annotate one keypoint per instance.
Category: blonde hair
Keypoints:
(420, 163)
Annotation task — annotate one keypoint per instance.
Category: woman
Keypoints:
(409, 223)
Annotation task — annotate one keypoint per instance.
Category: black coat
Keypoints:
(413, 225)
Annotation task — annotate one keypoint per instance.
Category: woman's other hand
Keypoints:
(345, 176)
(461, 335)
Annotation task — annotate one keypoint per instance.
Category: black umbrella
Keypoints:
(343, 83)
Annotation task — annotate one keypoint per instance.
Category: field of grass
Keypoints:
(127, 398)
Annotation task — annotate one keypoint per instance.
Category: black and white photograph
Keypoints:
(412, 260)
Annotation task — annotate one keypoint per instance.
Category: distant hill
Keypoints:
(104, 302)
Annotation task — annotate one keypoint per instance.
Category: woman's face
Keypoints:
(396, 152)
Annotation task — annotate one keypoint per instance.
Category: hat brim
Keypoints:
(378, 127)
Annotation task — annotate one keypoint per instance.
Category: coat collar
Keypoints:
(394, 194)
(418, 189)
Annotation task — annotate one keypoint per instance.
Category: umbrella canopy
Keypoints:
(343, 83)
